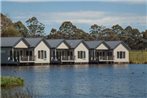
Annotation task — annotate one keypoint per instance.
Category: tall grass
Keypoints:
(9, 81)
(138, 57)
(12, 87)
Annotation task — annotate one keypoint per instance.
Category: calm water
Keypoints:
(83, 81)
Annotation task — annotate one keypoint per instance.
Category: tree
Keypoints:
(10, 32)
(109, 34)
(117, 29)
(68, 28)
(21, 28)
(53, 31)
(35, 27)
(97, 31)
(7, 27)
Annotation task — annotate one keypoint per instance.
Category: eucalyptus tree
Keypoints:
(97, 31)
(35, 27)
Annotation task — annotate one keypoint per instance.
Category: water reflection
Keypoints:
(120, 65)
(86, 81)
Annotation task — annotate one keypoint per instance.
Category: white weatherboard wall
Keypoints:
(39, 47)
(62, 46)
(102, 47)
(121, 48)
(81, 47)
(21, 44)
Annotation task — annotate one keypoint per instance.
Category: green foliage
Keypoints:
(21, 28)
(133, 37)
(9, 28)
(10, 31)
(7, 81)
(35, 27)
(69, 31)
(138, 57)
(97, 31)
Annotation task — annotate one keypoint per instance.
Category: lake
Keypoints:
(83, 81)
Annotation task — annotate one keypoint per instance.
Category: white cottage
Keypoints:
(98, 50)
(108, 51)
(120, 51)
(80, 51)
(40, 50)
(60, 51)
(13, 49)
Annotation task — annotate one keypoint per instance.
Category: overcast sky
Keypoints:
(80, 13)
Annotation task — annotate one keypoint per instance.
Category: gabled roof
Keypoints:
(93, 44)
(73, 43)
(114, 44)
(9, 41)
(53, 43)
(33, 42)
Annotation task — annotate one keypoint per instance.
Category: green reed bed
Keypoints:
(12, 87)
(138, 57)
(8, 81)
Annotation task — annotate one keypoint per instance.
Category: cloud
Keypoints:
(128, 1)
(85, 17)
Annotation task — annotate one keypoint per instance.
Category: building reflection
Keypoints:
(120, 65)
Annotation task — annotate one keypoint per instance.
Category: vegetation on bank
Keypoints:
(138, 57)
(8, 81)
(135, 39)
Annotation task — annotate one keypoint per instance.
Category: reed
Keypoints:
(9, 81)
(138, 57)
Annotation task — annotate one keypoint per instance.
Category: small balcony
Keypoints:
(26, 59)
(67, 59)
(105, 58)
(63, 59)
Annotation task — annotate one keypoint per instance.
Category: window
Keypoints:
(11, 55)
(121, 54)
(109, 53)
(45, 54)
(30, 53)
(21, 52)
(39, 54)
(42, 54)
(27, 53)
(78, 54)
(81, 54)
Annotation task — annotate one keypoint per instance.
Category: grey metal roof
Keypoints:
(9, 41)
(73, 43)
(113, 44)
(53, 43)
(33, 41)
(93, 44)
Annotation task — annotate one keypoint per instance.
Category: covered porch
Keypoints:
(97, 56)
(22, 55)
(62, 55)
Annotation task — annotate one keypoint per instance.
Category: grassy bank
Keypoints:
(138, 57)
(7, 81)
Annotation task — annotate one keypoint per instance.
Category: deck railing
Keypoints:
(105, 58)
(27, 58)
(63, 59)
